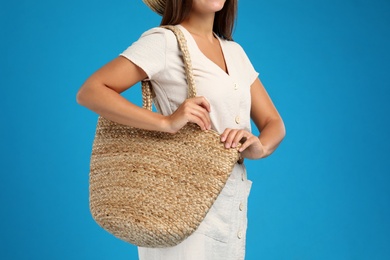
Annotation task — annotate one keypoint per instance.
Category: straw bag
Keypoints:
(153, 189)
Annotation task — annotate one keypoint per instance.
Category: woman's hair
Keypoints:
(176, 11)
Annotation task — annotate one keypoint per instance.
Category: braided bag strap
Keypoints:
(147, 91)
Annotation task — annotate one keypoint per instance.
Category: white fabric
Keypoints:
(221, 235)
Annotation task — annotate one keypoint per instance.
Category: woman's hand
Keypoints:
(251, 147)
(195, 110)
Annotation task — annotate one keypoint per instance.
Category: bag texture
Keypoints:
(153, 189)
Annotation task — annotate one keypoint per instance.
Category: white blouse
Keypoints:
(157, 53)
(221, 235)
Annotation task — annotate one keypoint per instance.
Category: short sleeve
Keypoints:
(252, 73)
(149, 52)
(245, 64)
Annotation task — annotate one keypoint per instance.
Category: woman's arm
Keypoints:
(268, 121)
(266, 118)
(101, 93)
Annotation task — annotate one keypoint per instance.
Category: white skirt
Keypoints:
(221, 235)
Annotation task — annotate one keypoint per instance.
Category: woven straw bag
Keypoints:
(153, 189)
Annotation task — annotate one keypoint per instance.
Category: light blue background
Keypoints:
(324, 194)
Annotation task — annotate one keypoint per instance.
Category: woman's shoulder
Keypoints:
(159, 36)
(154, 30)
(238, 53)
(234, 47)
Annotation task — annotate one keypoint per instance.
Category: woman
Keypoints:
(230, 94)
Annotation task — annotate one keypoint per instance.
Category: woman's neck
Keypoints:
(200, 25)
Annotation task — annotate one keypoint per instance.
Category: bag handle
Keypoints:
(147, 91)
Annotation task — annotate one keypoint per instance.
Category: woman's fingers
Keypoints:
(248, 142)
(232, 137)
(195, 110)
(202, 101)
(251, 147)
(228, 136)
(204, 109)
(202, 114)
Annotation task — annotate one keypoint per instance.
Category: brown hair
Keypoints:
(176, 11)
